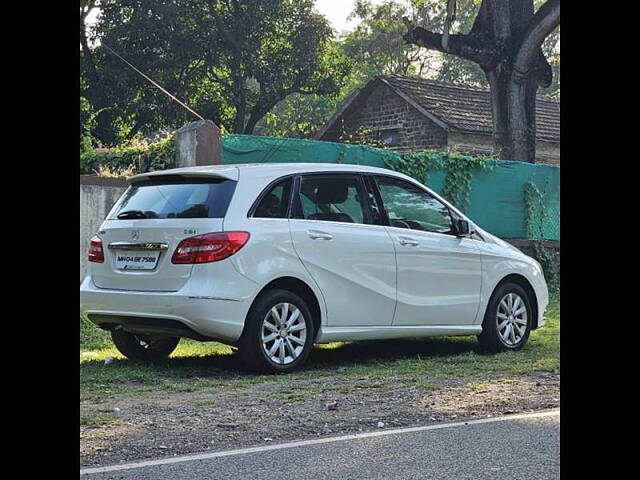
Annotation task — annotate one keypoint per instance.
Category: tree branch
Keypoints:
(221, 26)
(214, 77)
(451, 16)
(527, 61)
(482, 21)
(469, 47)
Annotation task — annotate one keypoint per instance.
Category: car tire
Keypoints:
(139, 347)
(270, 346)
(506, 326)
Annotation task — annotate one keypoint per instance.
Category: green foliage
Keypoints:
(298, 116)
(551, 272)
(458, 167)
(376, 44)
(374, 48)
(535, 216)
(136, 155)
(87, 123)
(230, 61)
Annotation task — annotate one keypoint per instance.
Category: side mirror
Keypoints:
(464, 227)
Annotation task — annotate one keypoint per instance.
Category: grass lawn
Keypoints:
(196, 366)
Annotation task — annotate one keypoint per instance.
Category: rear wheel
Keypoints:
(278, 335)
(143, 347)
(507, 320)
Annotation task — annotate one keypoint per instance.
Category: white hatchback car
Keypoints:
(273, 258)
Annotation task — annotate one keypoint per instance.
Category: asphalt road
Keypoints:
(517, 447)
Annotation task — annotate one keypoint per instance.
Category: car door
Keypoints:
(352, 261)
(439, 274)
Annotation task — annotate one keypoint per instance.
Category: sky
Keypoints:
(336, 12)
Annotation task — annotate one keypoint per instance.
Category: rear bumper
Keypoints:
(220, 318)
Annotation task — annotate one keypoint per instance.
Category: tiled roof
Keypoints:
(469, 108)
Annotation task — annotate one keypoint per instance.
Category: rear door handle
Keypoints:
(318, 235)
(408, 241)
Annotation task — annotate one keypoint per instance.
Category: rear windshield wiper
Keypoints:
(131, 214)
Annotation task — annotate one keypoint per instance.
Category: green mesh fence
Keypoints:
(497, 201)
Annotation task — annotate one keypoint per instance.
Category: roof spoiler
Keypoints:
(225, 172)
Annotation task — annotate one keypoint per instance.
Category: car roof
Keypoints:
(274, 170)
(235, 171)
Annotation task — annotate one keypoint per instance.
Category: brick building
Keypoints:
(409, 113)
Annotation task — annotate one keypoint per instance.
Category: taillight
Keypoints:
(96, 254)
(210, 247)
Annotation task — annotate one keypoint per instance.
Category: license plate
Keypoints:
(132, 260)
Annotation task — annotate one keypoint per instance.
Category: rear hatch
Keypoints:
(151, 218)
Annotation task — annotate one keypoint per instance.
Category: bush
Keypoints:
(136, 155)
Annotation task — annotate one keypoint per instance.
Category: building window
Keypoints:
(390, 137)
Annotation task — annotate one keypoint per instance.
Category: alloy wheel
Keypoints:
(512, 319)
(284, 333)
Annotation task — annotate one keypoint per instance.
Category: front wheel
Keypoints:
(278, 335)
(507, 320)
(142, 347)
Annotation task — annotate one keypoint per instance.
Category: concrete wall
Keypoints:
(97, 196)
(198, 143)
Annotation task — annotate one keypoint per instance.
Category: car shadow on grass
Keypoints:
(377, 351)
(344, 357)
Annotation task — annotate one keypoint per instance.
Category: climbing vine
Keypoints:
(342, 153)
(459, 170)
(535, 217)
(414, 164)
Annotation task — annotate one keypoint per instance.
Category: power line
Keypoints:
(173, 97)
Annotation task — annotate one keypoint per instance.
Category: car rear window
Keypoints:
(175, 198)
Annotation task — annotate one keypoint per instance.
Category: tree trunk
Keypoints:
(498, 85)
(505, 41)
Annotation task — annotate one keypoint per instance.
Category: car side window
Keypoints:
(275, 202)
(334, 198)
(408, 206)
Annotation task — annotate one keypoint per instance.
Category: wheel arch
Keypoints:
(523, 282)
(300, 288)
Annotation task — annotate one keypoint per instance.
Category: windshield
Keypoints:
(175, 198)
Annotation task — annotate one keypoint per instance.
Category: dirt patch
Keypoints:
(152, 425)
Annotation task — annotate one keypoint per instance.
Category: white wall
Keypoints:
(95, 203)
